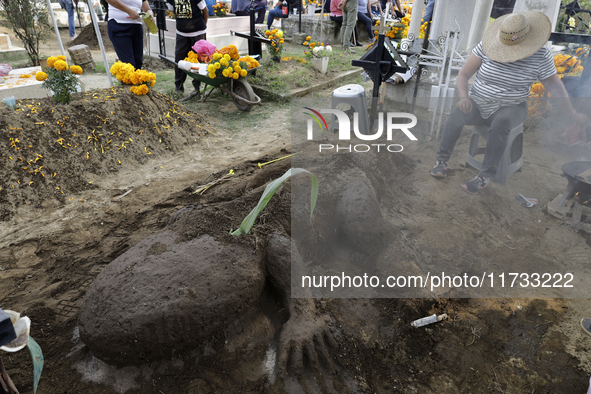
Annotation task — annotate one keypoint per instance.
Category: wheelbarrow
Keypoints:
(240, 90)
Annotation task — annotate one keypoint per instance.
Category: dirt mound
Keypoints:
(88, 37)
(47, 150)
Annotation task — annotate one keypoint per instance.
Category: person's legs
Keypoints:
(195, 82)
(182, 47)
(366, 20)
(452, 129)
(349, 18)
(124, 38)
(260, 14)
(274, 13)
(71, 22)
(428, 11)
(502, 122)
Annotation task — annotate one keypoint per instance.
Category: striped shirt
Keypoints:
(502, 84)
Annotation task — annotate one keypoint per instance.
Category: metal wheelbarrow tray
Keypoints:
(240, 90)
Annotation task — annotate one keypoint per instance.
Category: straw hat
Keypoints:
(512, 37)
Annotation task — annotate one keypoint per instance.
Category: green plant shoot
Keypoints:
(37, 355)
(270, 190)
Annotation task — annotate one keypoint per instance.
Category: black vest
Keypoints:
(189, 17)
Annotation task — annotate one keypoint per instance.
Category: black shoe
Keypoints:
(586, 325)
(475, 185)
(440, 169)
(358, 44)
(179, 89)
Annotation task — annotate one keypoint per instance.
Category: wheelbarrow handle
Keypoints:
(168, 60)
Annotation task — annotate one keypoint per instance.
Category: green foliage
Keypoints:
(30, 21)
(62, 83)
(270, 190)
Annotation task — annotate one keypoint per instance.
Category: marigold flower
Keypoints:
(243, 73)
(212, 75)
(41, 76)
(51, 61)
(61, 57)
(235, 75)
(61, 65)
(308, 39)
(76, 69)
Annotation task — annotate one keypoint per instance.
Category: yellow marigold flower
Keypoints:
(25, 76)
(560, 70)
(227, 57)
(308, 39)
(224, 62)
(306, 42)
(279, 34)
(217, 66)
(281, 41)
(61, 65)
(312, 45)
(267, 32)
(41, 76)
(243, 73)
(210, 68)
(61, 57)
(230, 69)
(237, 69)
(51, 61)
(225, 72)
(274, 31)
(152, 83)
(76, 69)
(217, 56)
(272, 43)
(212, 75)
(235, 75)
(140, 90)
(234, 64)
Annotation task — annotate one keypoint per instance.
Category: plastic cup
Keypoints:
(10, 102)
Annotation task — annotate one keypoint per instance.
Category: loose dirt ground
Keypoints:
(52, 249)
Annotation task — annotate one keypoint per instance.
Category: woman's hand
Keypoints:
(133, 14)
(341, 4)
(465, 105)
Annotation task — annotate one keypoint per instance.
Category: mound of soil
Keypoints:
(88, 37)
(47, 150)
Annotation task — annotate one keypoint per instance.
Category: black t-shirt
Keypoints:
(189, 17)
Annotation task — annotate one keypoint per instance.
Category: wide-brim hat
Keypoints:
(516, 36)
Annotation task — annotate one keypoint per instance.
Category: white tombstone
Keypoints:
(549, 7)
(471, 17)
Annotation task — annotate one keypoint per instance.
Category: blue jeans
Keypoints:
(69, 7)
(428, 15)
(500, 125)
(128, 41)
(366, 20)
(274, 13)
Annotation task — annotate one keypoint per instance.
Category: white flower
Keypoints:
(328, 49)
(316, 50)
(22, 326)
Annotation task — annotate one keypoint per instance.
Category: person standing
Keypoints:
(349, 8)
(68, 5)
(428, 15)
(191, 23)
(126, 30)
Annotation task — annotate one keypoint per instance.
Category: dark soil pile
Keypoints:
(46, 149)
(88, 37)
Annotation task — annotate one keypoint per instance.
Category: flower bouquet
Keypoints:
(141, 80)
(60, 78)
(276, 46)
(318, 53)
(220, 9)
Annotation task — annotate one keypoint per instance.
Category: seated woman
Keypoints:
(509, 59)
(363, 16)
(274, 13)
